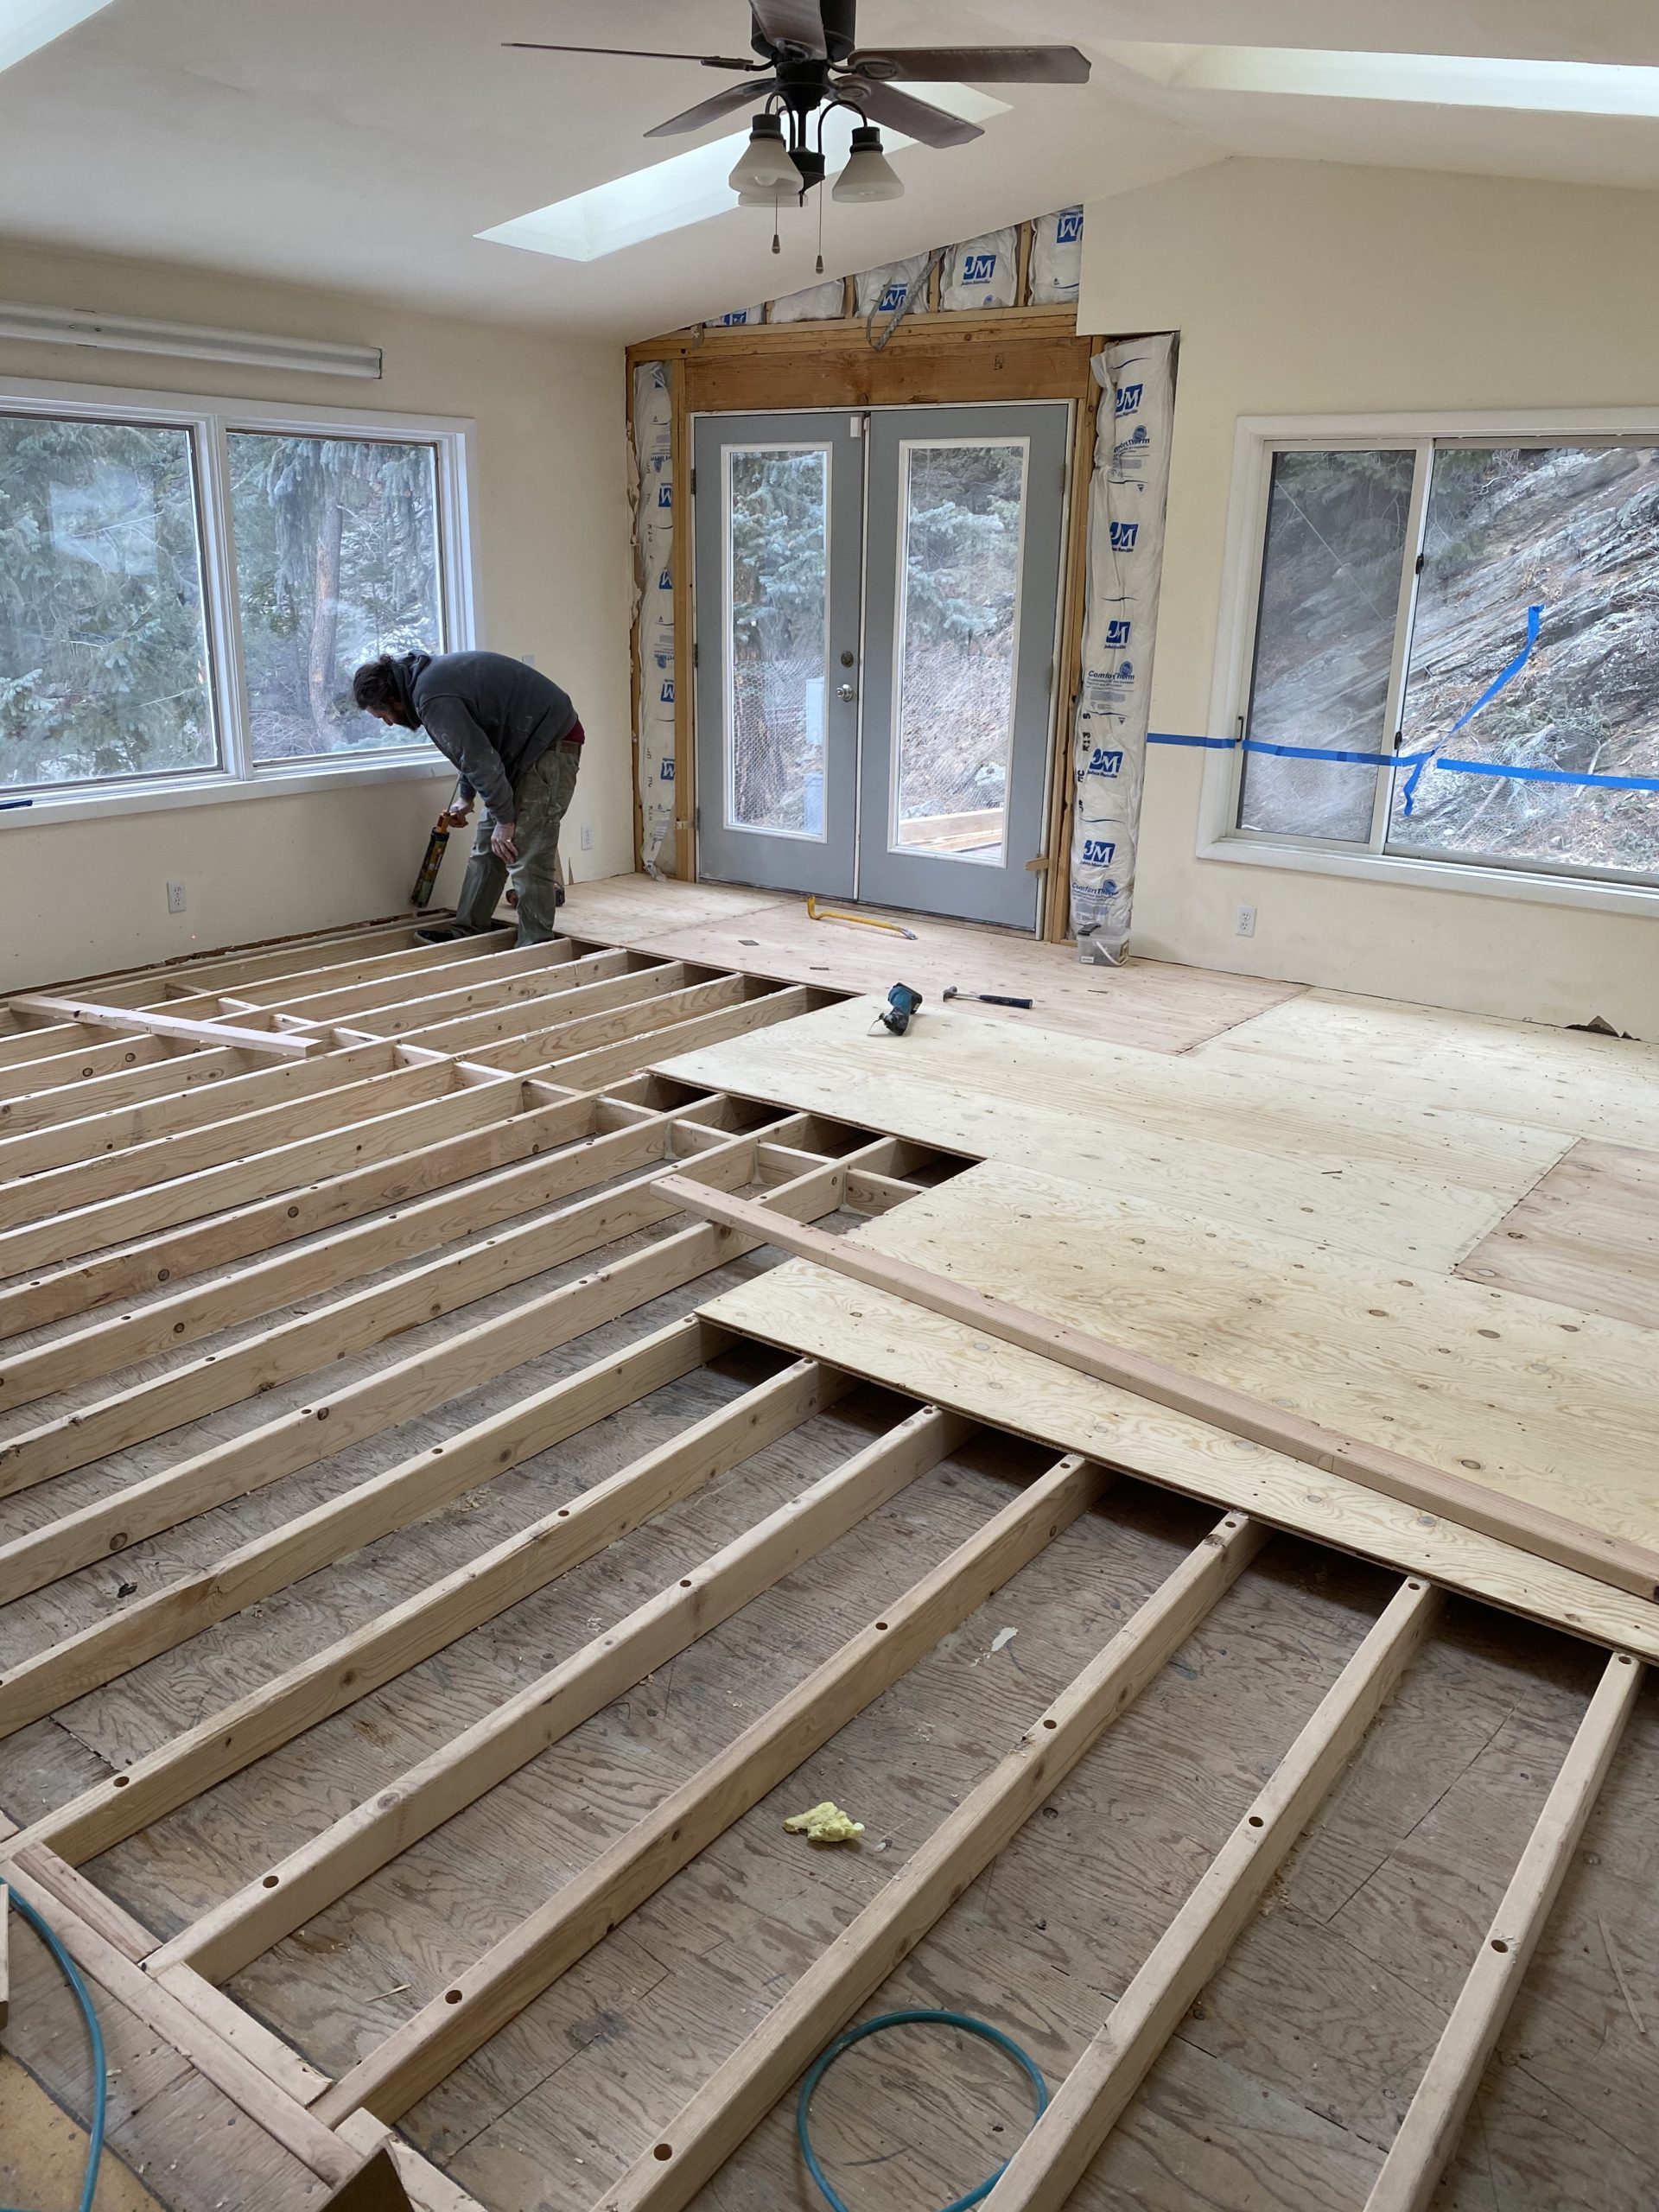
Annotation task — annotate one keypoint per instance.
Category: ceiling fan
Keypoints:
(810, 62)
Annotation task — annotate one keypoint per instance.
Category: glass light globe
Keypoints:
(764, 165)
(868, 174)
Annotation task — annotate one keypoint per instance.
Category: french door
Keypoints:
(877, 598)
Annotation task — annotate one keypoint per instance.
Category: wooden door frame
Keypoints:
(936, 360)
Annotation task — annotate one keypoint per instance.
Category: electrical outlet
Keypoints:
(175, 898)
(1244, 922)
(529, 659)
(587, 837)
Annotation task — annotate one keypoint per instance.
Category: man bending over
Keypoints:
(517, 742)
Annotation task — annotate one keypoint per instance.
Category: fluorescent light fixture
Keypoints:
(1428, 79)
(689, 187)
(124, 333)
(28, 25)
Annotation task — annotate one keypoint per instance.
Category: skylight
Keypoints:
(1445, 79)
(689, 187)
(27, 25)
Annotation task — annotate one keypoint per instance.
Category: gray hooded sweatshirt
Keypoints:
(493, 717)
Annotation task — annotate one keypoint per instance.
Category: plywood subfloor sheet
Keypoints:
(1532, 1400)
(1151, 1003)
(1429, 1058)
(629, 909)
(1587, 1236)
(1241, 1146)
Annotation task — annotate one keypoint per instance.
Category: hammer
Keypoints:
(985, 998)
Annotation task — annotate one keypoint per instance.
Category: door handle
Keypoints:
(845, 691)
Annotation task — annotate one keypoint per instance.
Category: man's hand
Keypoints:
(501, 843)
(458, 813)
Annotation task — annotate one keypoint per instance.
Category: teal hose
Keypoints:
(66, 1967)
(822, 2064)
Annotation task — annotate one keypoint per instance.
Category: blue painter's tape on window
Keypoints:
(1583, 778)
(1413, 760)
(1534, 616)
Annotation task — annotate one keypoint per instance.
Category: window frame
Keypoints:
(1257, 440)
(208, 421)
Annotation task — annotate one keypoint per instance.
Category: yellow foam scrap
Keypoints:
(824, 1823)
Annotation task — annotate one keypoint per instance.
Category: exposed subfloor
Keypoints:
(1149, 1003)
(1281, 2086)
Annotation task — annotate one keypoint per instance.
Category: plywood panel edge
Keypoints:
(804, 1310)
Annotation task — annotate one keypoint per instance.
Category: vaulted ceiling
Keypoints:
(363, 143)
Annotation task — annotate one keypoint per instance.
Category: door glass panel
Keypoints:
(777, 600)
(962, 519)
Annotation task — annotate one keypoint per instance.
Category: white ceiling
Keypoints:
(361, 143)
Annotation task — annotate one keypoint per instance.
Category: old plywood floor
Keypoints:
(43, 2151)
(1280, 2093)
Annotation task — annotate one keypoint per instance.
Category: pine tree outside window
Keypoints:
(186, 586)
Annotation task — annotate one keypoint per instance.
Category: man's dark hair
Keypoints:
(379, 683)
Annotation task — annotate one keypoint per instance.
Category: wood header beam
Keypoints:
(778, 341)
(843, 370)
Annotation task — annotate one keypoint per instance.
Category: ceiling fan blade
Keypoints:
(918, 119)
(973, 65)
(792, 22)
(634, 53)
(749, 94)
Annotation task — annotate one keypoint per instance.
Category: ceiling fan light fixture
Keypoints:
(764, 166)
(868, 174)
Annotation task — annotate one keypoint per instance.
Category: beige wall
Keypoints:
(552, 582)
(1298, 288)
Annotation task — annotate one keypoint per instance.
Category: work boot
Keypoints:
(442, 933)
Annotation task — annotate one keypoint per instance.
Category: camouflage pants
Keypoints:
(541, 796)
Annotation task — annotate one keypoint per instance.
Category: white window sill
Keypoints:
(276, 782)
(1541, 888)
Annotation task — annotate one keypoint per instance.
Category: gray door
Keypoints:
(779, 503)
(965, 511)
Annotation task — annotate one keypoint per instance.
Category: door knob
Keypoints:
(845, 691)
